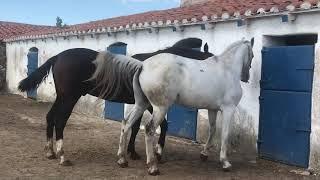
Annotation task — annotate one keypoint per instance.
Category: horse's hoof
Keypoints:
(60, 153)
(122, 164)
(153, 171)
(134, 156)
(158, 156)
(203, 157)
(226, 167)
(66, 163)
(51, 156)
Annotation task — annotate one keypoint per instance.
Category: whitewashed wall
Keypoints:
(245, 129)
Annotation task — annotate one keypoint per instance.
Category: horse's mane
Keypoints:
(113, 73)
(229, 52)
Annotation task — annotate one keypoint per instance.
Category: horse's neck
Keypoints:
(233, 60)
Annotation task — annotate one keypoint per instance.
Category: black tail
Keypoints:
(36, 77)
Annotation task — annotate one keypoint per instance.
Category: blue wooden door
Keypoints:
(32, 66)
(182, 120)
(285, 104)
(114, 110)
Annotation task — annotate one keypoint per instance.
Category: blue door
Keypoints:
(285, 104)
(114, 110)
(32, 66)
(183, 121)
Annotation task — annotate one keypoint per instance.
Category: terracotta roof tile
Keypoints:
(213, 8)
(11, 29)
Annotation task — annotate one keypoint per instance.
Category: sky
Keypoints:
(44, 12)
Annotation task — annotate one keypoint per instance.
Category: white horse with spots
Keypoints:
(212, 84)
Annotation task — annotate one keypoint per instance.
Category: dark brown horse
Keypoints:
(71, 69)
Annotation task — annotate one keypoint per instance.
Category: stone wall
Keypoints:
(3, 59)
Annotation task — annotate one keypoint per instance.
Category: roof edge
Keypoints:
(305, 7)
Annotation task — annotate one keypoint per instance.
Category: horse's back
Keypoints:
(182, 80)
(163, 77)
(78, 54)
(204, 83)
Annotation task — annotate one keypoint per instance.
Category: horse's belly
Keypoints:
(198, 103)
(203, 95)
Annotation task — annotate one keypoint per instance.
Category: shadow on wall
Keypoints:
(2, 66)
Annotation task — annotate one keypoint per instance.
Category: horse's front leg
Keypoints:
(162, 139)
(126, 126)
(131, 146)
(50, 154)
(135, 129)
(227, 113)
(122, 162)
(212, 128)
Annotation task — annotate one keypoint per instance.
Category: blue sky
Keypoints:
(44, 12)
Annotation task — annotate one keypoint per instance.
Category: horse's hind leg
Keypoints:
(162, 138)
(63, 114)
(159, 147)
(227, 113)
(212, 128)
(126, 126)
(50, 127)
(157, 118)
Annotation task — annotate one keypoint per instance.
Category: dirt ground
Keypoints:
(91, 144)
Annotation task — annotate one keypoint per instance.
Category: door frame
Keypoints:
(32, 94)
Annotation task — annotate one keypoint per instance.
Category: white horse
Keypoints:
(212, 84)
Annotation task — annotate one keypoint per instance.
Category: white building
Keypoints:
(290, 92)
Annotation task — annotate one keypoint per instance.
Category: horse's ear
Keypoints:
(206, 48)
(252, 42)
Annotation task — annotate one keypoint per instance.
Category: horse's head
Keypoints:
(245, 74)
